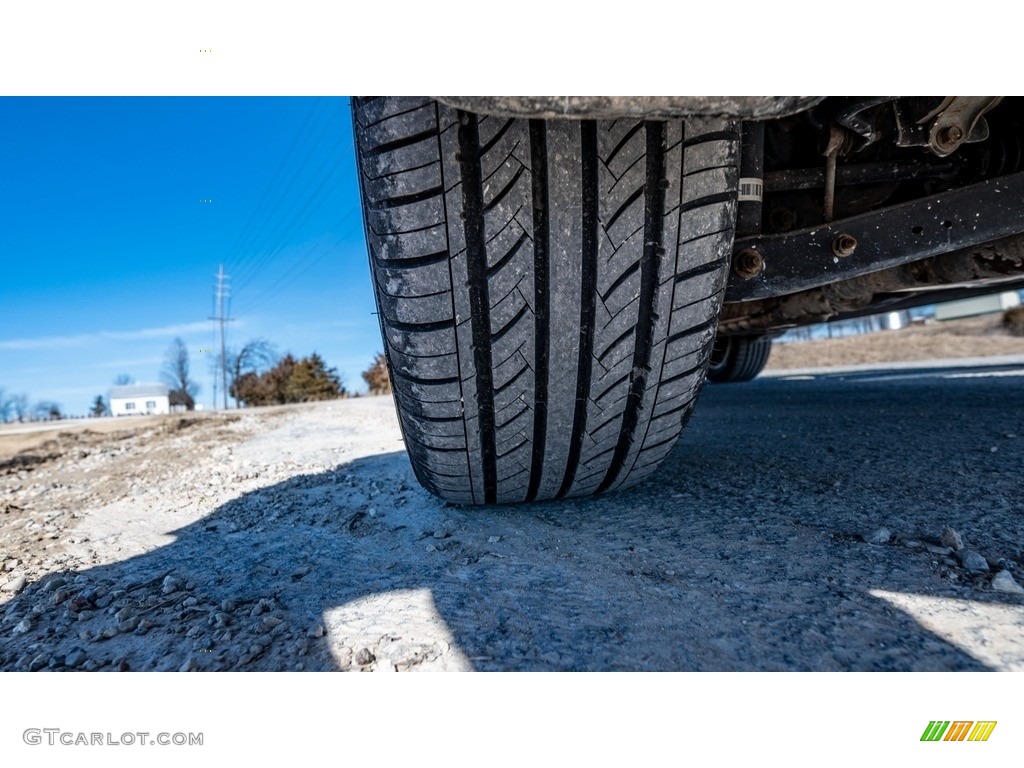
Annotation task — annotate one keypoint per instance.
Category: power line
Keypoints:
(294, 216)
(271, 225)
(285, 160)
(282, 283)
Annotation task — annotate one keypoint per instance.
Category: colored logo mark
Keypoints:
(958, 730)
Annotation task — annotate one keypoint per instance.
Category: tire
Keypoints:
(548, 291)
(739, 358)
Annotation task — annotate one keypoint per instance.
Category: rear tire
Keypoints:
(739, 358)
(548, 290)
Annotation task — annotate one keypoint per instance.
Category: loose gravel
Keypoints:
(851, 522)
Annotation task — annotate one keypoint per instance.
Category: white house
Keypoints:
(139, 399)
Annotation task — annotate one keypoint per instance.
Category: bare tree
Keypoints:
(19, 405)
(5, 406)
(46, 410)
(123, 380)
(256, 356)
(176, 375)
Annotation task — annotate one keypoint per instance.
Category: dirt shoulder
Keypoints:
(969, 337)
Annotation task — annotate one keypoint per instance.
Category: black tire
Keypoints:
(739, 358)
(548, 291)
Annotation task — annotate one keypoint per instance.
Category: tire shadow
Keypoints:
(746, 553)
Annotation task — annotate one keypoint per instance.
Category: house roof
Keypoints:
(139, 390)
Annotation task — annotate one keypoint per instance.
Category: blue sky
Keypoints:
(108, 250)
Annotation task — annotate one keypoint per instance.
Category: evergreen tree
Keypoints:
(290, 381)
(376, 376)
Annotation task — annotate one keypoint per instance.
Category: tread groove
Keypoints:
(476, 266)
(706, 138)
(541, 300)
(496, 137)
(510, 324)
(508, 256)
(399, 200)
(405, 141)
(693, 331)
(588, 296)
(650, 266)
(623, 142)
(703, 269)
(620, 280)
(504, 191)
(622, 337)
(622, 208)
(410, 263)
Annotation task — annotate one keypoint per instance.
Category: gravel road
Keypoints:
(858, 521)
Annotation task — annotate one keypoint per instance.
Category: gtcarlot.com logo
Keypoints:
(53, 736)
(958, 730)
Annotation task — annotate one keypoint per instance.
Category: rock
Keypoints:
(493, 539)
(76, 658)
(52, 584)
(364, 657)
(85, 615)
(913, 543)
(10, 565)
(108, 633)
(221, 619)
(272, 621)
(104, 602)
(228, 605)
(38, 662)
(1004, 582)
(14, 586)
(317, 631)
(431, 548)
(951, 539)
(128, 625)
(60, 595)
(122, 666)
(261, 607)
(881, 536)
(124, 614)
(940, 550)
(22, 627)
(441, 533)
(171, 584)
(188, 602)
(79, 604)
(972, 561)
(190, 665)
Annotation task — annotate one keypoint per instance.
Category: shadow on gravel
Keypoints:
(745, 554)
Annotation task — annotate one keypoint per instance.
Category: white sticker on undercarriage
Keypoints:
(751, 189)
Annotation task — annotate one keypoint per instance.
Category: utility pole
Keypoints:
(221, 293)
